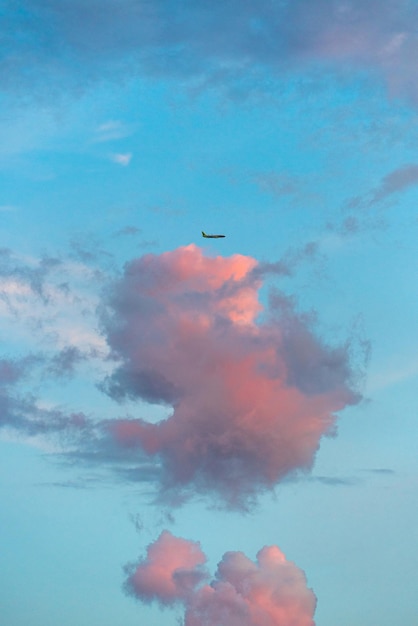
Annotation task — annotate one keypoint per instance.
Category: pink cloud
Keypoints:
(170, 571)
(271, 591)
(251, 398)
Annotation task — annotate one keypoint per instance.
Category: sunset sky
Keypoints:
(208, 432)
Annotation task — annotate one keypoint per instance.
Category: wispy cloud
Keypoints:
(400, 179)
(334, 481)
(128, 231)
(49, 303)
(112, 130)
(381, 471)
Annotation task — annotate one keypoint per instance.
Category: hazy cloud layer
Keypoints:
(250, 399)
(271, 591)
(76, 42)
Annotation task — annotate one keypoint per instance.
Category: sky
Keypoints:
(208, 432)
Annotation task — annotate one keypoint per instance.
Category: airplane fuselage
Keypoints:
(212, 236)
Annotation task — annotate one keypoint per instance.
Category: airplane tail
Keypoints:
(204, 234)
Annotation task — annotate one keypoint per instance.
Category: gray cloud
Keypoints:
(400, 179)
(381, 471)
(333, 481)
(149, 384)
(22, 413)
(128, 231)
(64, 363)
(287, 265)
(11, 371)
(397, 181)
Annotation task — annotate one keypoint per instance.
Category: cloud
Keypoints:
(33, 275)
(286, 266)
(271, 591)
(64, 362)
(52, 300)
(128, 231)
(400, 179)
(112, 130)
(48, 315)
(383, 471)
(250, 397)
(122, 159)
(334, 481)
(84, 42)
(170, 571)
(23, 413)
(12, 370)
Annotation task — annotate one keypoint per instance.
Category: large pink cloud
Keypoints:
(269, 592)
(250, 398)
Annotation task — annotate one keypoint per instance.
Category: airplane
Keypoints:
(212, 236)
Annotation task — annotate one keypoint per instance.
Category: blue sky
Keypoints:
(127, 128)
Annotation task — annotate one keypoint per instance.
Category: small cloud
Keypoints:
(400, 179)
(65, 362)
(128, 231)
(72, 484)
(353, 226)
(169, 573)
(380, 471)
(334, 481)
(122, 158)
(111, 131)
(397, 181)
